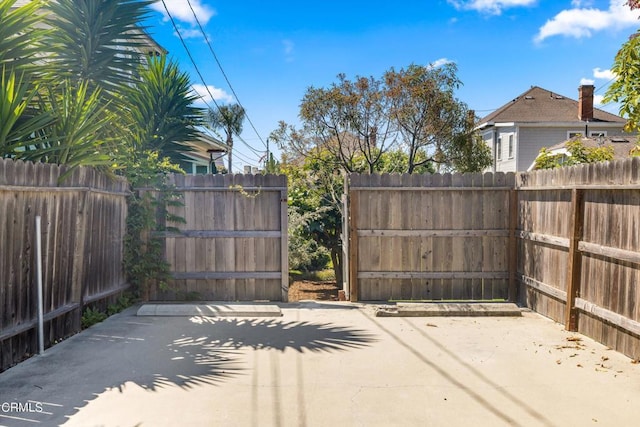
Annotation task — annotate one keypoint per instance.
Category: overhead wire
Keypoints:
(184, 45)
(197, 69)
(206, 39)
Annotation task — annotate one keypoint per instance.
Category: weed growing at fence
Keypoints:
(124, 301)
(92, 316)
(148, 214)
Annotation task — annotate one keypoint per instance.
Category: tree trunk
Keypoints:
(336, 259)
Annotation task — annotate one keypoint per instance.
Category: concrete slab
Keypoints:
(323, 364)
(210, 309)
(437, 309)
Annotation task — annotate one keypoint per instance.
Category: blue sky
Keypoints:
(271, 52)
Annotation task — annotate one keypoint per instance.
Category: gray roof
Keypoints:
(538, 105)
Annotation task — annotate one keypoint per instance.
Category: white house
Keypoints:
(204, 152)
(541, 118)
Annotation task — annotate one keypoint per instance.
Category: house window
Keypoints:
(511, 146)
(202, 170)
(597, 133)
(499, 148)
(592, 133)
(574, 133)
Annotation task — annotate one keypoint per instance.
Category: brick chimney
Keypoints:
(585, 102)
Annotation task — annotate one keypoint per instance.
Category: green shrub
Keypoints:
(92, 316)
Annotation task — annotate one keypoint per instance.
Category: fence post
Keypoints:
(284, 244)
(353, 245)
(575, 259)
(79, 281)
(513, 248)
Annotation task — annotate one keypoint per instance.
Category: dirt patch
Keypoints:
(310, 290)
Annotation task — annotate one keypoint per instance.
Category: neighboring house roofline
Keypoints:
(576, 125)
(538, 105)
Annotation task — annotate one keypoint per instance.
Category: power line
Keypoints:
(186, 48)
(175, 27)
(206, 39)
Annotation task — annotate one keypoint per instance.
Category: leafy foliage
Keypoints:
(413, 110)
(577, 154)
(73, 138)
(20, 35)
(143, 259)
(625, 89)
(94, 41)
(91, 316)
(428, 116)
(20, 123)
(160, 109)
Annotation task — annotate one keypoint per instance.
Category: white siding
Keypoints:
(531, 140)
(507, 164)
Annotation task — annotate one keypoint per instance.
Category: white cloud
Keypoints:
(493, 7)
(440, 62)
(288, 46)
(288, 49)
(181, 11)
(597, 99)
(603, 74)
(585, 81)
(582, 22)
(581, 3)
(217, 93)
(191, 33)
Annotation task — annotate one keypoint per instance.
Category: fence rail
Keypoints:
(233, 245)
(430, 236)
(83, 227)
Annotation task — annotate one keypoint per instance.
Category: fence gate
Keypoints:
(431, 237)
(233, 246)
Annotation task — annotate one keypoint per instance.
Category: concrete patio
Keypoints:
(323, 364)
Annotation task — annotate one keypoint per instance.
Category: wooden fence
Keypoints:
(579, 249)
(436, 237)
(83, 225)
(564, 242)
(233, 246)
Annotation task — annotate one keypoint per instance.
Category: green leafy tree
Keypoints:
(466, 151)
(230, 119)
(428, 116)
(577, 154)
(314, 199)
(625, 89)
(349, 119)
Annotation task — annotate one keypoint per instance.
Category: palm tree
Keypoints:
(160, 111)
(229, 118)
(20, 41)
(96, 41)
